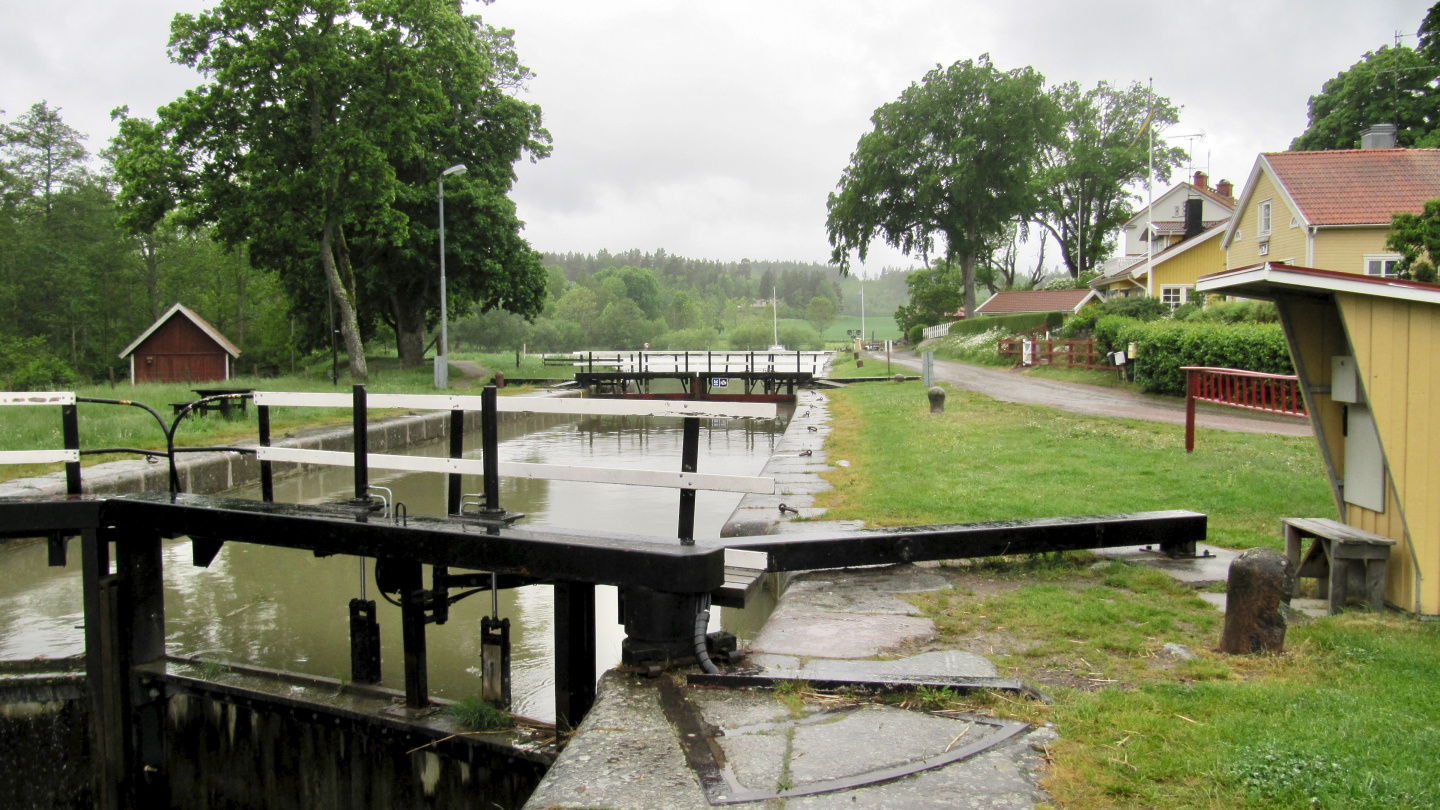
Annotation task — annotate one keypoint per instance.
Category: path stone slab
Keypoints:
(1196, 571)
(839, 635)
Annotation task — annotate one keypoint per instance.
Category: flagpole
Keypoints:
(1150, 198)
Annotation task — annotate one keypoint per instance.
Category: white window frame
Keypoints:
(1393, 259)
(1294, 222)
(1264, 218)
(1182, 294)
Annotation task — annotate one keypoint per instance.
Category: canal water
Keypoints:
(287, 609)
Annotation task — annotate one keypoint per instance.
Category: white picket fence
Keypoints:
(940, 330)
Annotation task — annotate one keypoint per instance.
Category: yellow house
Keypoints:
(1172, 273)
(1329, 210)
(1170, 244)
(1364, 350)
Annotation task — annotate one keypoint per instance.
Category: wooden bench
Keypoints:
(1342, 557)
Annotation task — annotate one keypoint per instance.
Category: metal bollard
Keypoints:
(1260, 580)
(937, 399)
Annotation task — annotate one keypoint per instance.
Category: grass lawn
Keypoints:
(38, 428)
(844, 365)
(1348, 716)
(883, 326)
(987, 460)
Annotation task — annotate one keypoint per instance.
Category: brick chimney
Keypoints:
(1225, 189)
(1202, 180)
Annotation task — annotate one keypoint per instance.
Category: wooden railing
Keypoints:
(1253, 390)
(1027, 351)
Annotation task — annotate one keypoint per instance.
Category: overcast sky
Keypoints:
(715, 130)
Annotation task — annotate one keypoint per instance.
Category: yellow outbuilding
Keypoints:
(1364, 348)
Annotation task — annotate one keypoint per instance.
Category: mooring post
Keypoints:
(689, 462)
(457, 450)
(70, 426)
(412, 632)
(1192, 386)
(267, 472)
(490, 439)
(574, 652)
(362, 445)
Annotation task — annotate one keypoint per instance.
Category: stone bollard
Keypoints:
(937, 399)
(499, 379)
(1261, 580)
(899, 378)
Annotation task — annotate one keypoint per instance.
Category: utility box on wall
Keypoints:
(1344, 384)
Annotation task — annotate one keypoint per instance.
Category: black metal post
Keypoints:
(574, 652)
(70, 426)
(362, 445)
(412, 631)
(689, 462)
(139, 563)
(490, 439)
(364, 642)
(104, 672)
(267, 472)
(457, 450)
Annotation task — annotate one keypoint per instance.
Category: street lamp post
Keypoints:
(442, 367)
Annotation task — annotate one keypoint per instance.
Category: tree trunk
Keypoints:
(967, 273)
(344, 299)
(409, 331)
(151, 254)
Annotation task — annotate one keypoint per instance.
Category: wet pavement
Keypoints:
(1007, 385)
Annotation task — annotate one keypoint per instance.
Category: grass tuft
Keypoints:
(475, 714)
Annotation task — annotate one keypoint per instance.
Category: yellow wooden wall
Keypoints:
(1344, 249)
(1285, 242)
(1200, 260)
(1394, 344)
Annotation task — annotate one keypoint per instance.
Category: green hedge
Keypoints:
(1163, 347)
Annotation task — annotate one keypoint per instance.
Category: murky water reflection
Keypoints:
(287, 609)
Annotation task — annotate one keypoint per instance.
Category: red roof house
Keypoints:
(1017, 302)
(180, 347)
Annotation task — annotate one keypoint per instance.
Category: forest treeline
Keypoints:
(76, 288)
(627, 299)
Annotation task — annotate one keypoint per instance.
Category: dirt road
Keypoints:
(1011, 386)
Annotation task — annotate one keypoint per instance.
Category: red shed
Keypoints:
(180, 347)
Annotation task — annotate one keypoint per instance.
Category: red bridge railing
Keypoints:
(1272, 393)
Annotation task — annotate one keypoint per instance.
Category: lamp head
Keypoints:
(458, 168)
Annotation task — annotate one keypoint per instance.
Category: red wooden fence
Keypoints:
(1272, 393)
(1082, 354)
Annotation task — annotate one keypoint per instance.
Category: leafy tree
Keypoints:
(820, 313)
(957, 155)
(1103, 149)
(318, 134)
(44, 154)
(1393, 85)
(1416, 237)
(935, 292)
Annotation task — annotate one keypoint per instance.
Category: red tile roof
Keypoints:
(1010, 302)
(1228, 202)
(1358, 186)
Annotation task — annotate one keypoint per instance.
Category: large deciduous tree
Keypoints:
(318, 136)
(1102, 150)
(955, 156)
(1394, 85)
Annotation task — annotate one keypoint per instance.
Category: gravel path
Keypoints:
(1011, 386)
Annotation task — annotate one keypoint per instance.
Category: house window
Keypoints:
(1264, 211)
(1382, 264)
(1173, 295)
(1239, 234)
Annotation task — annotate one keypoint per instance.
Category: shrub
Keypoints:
(1163, 347)
(1242, 311)
(26, 364)
(696, 338)
(917, 334)
(976, 348)
(1013, 324)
